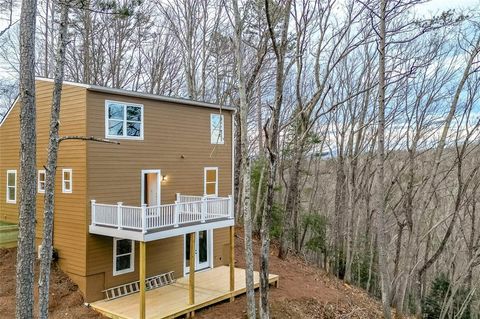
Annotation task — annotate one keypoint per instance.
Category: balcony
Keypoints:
(146, 223)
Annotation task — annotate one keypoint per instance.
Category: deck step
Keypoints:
(133, 287)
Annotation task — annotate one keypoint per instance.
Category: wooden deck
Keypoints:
(211, 286)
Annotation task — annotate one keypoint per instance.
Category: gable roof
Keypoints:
(148, 96)
(123, 92)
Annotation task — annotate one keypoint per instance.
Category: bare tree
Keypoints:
(7, 7)
(245, 168)
(380, 172)
(51, 166)
(28, 163)
(272, 133)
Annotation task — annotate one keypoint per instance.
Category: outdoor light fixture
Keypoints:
(164, 178)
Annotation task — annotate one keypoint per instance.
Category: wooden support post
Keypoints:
(232, 261)
(191, 275)
(143, 264)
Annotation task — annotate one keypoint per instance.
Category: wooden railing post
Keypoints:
(144, 218)
(119, 215)
(230, 207)
(94, 217)
(175, 212)
(203, 209)
(191, 273)
(232, 261)
(143, 266)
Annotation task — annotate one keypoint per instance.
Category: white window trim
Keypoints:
(222, 129)
(10, 171)
(124, 137)
(41, 171)
(205, 181)
(132, 258)
(64, 190)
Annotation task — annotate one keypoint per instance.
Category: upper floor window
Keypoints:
(12, 186)
(41, 181)
(123, 253)
(67, 180)
(123, 120)
(210, 187)
(216, 129)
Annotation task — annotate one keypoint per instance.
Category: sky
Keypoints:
(429, 8)
(436, 6)
(433, 6)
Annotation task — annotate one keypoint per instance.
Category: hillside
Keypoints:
(304, 292)
(65, 300)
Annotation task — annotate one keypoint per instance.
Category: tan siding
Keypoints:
(176, 141)
(170, 131)
(70, 223)
(162, 256)
(221, 247)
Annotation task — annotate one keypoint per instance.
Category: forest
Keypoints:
(357, 130)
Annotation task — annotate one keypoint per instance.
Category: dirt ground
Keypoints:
(65, 299)
(304, 292)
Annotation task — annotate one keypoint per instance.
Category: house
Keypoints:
(158, 202)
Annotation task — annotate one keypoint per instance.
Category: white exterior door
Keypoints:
(203, 248)
(151, 187)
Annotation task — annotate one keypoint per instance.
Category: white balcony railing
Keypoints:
(185, 211)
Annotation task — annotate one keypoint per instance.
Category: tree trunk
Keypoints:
(291, 205)
(352, 195)
(259, 198)
(86, 44)
(339, 215)
(272, 137)
(28, 164)
(51, 167)
(380, 182)
(237, 180)
(245, 168)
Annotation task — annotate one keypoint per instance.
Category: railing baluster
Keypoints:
(119, 215)
(203, 209)
(144, 218)
(176, 212)
(94, 217)
(230, 207)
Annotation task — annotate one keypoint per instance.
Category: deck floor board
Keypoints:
(211, 286)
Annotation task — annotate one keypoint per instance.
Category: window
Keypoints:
(216, 129)
(123, 253)
(67, 180)
(41, 181)
(123, 120)
(12, 186)
(211, 181)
